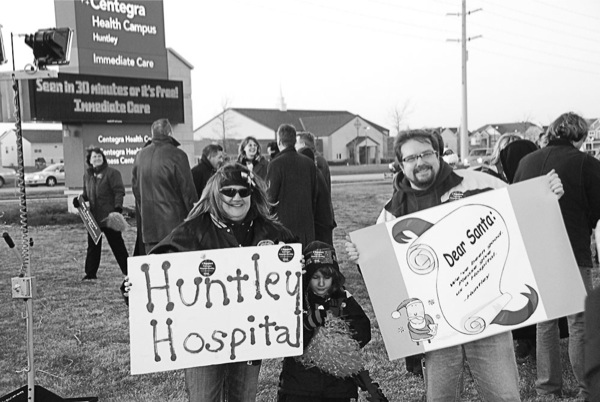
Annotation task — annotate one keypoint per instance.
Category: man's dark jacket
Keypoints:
(201, 173)
(292, 186)
(163, 187)
(580, 176)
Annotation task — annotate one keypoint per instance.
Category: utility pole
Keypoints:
(464, 125)
(356, 157)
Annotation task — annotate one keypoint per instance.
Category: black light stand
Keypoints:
(51, 47)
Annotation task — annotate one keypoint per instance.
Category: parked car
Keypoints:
(49, 176)
(8, 176)
(478, 156)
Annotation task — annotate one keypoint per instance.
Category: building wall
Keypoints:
(450, 140)
(52, 153)
(237, 128)
(592, 143)
(338, 150)
(180, 71)
(8, 147)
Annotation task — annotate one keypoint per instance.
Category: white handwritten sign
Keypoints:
(469, 269)
(217, 306)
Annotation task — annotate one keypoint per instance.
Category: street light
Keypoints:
(51, 47)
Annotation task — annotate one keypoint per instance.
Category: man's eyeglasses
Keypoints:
(231, 192)
(426, 156)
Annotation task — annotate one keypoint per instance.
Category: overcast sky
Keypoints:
(535, 60)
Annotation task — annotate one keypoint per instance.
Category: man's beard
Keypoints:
(423, 183)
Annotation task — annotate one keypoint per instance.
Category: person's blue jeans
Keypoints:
(549, 367)
(492, 363)
(231, 382)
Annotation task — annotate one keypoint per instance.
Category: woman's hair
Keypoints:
(568, 126)
(242, 152)
(502, 142)
(338, 279)
(88, 155)
(211, 200)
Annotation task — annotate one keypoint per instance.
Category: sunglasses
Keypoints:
(231, 192)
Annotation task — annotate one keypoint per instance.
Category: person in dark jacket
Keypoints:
(580, 208)
(592, 344)
(249, 155)
(324, 222)
(292, 186)
(307, 139)
(212, 159)
(318, 376)
(103, 188)
(272, 150)
(162, 185)
(235, 212)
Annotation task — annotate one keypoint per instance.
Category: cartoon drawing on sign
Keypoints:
(421, 326)
(469, 272)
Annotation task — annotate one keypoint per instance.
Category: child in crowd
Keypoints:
(335, 328)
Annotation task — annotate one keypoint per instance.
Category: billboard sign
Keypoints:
(100, 99)
(117, 37)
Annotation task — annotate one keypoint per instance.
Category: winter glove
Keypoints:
(314, 319)
(76, 202)
(124, 293)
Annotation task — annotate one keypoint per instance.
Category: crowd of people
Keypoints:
(285, 196)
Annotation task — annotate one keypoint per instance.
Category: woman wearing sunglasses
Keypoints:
(233, 212)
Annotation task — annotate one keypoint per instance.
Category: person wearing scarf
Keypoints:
(103, 189)
(249, 156)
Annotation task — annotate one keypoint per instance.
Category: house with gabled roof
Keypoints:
(37, 144)
(592, 143)
(341, 136)
(450, 135)
(487, 135)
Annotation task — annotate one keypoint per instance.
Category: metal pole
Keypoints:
(464, 126)
(26, 266)
(25, 260)
(356, 157)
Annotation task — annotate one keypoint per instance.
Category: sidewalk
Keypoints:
(356, 178)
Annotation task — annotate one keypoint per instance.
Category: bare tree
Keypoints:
(225, 122)
(399, 114)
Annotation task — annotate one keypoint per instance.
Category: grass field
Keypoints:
(81, 328)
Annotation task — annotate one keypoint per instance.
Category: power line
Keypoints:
(544, 52)
(535, 61)
(551, 28)
(361, 15)
(520, 36)
(593, 17)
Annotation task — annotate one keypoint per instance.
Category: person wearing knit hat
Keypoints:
(335, 328)
(233, 212)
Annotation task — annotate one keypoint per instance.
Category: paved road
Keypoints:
(42, 193)
(359, 178)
